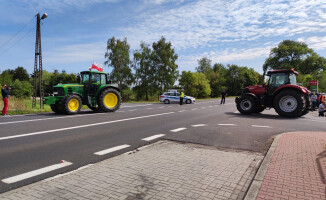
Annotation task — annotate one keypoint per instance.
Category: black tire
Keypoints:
(109, 100)
(307, 106)
(289, 103)
(71, 104)
(56, 108)
(166, 101)
(188, 101)
(247, 105)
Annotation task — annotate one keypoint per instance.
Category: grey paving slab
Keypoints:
(164, 170)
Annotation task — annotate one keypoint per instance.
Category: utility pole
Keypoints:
(38, 71)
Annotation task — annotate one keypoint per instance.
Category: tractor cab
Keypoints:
(279, 78)
(92, 81)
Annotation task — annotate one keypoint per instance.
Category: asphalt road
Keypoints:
(32, 142)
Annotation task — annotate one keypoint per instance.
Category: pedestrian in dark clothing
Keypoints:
(181, 96)
(223, 97)
(5, 96)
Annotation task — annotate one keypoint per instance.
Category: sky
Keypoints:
(76, 32)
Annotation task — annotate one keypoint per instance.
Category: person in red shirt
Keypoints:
(5, 96)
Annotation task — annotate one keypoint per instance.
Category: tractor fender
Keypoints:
(251, 94)
(106, 87)
(290, 87)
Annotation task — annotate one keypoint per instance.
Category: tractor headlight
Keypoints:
(55, 93)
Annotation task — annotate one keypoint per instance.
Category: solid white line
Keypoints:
(153, 137)
(120, 111)
(178, 129)
(227, 124)
(198, 125)
(132, 110)
(35, 172)
(106, 151)
(182, 111)
(258, 126)
(135, 106)
(210, 106)
(83, 126)
(32, 120)
(236, 112)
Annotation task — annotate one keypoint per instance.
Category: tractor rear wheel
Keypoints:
(109, 100)
(289, 103)
(56, 108)
(307, 105)
(247, 104)
(71, 104)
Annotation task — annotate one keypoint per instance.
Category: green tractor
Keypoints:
(94, 90)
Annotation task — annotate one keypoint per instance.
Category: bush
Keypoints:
(22, 89)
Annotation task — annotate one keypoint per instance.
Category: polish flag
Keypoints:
(97, 66)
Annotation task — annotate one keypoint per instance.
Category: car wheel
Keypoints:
(188, 101)
(166, 101)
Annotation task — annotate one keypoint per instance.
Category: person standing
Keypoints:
(5, 96)
(313, 101)
(181, 96)
(223, 97)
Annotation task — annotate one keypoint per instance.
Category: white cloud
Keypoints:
(158, 2)
(318, 43)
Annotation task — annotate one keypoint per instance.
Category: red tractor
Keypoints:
(281, 93)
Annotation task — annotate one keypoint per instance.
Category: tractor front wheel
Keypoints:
(247, 105)
(71, 104)
(56, 108)
(289, 103)
(109, 100)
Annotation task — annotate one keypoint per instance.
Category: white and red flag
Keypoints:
(97, 66)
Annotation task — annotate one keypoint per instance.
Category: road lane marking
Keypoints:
(178, 129)
(236, 112)
(198, 125)
(149, 108)
(258, 126)
(113, 149)
(120, 111)
(153, 137)
(135, 106)
(83, 126)
(210, 106)
(161, 107)
(169, 106)
(35, 172)
(203, 107)
(194, 109)
(182, 111)
(227, 124)
(132, 110)
(32, 120)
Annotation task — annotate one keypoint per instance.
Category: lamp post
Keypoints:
(38, 71)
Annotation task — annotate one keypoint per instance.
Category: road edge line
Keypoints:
(259, 177)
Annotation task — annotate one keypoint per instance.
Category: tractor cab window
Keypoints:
(96, 79)
(85, 78)
(293, 79)
(103, 79)
(279, 79)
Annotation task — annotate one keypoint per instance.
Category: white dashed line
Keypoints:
(35, 172)
(82, 126)
(169, 106)
(135, 106)
(132, 110)
(198, 125)
(178, 129)
(161, 107)
(120, 111)
(227, 124)
(182, 111)
(153, 137)
(258, 126)
(106, 151)
(149, 108)
(236, 112)
(203, 107)
(194, 109)
(210, 106)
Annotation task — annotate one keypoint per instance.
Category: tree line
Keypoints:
(149, 71)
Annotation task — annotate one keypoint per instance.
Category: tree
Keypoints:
(118, 58)
(145, 71)
(7, 77)
(291, 54)
(22, 89)
(164, 59)
(21, 74)
(204, 66)
(195, 84)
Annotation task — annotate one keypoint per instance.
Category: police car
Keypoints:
(174, 96)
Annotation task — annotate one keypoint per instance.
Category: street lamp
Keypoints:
(38, 72)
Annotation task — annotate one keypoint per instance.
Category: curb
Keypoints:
(258, 180)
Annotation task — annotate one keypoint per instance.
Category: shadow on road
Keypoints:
(259, 115)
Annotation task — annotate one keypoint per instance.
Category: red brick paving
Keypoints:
(297, 169)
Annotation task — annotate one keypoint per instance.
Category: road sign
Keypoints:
(313, 82)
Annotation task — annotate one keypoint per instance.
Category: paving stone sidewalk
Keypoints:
(162, 171)
(297, 168)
